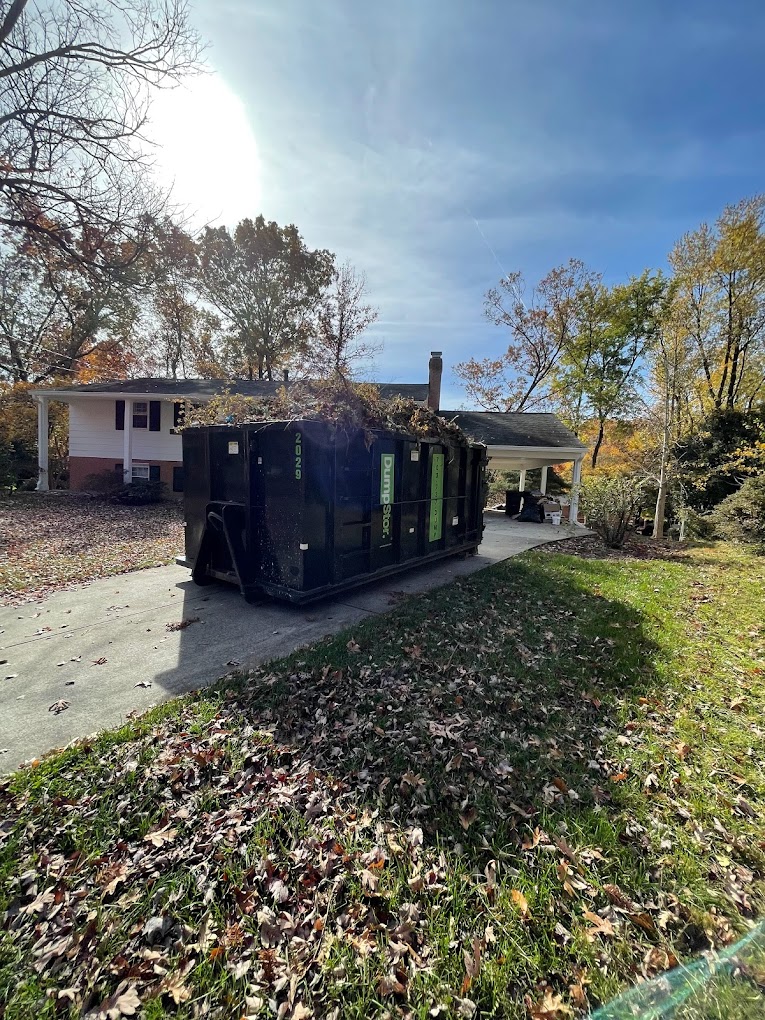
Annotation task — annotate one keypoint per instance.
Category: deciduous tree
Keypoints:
(337, 344)
(540, 325)
(75, 83)
(266, 283)
(720, 304)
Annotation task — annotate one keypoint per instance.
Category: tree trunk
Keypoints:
(598, 444)
(661, 503)
(661, 498)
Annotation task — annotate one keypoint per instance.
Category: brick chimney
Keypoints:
(435, 370)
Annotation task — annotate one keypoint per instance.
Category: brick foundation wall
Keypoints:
(81, 467)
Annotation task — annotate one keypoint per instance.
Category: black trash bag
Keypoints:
(532, 512)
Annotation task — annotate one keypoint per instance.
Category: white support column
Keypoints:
(43, 483)
(543, 483)
(127, 447)
(522, 481)
(576, 484)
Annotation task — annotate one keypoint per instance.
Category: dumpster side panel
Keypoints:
(196, 472)
(353, 508)
(411, 510)
(385, 501)
(318, 503)
(283, 452)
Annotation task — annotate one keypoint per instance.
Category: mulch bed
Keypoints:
(636, 547)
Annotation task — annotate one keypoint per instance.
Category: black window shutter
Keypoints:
(155, 413)
(119, 415)
(154, 472)
(178, 479)
(177, 414)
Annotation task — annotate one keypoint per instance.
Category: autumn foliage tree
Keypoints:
(265, 283)
(598, 375)
(719, 274)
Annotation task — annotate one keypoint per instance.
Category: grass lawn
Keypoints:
(52, 540)
(511, 797)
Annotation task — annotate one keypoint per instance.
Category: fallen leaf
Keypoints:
(600, 925)
(465, 1007)
(467, 817)
(549, 1007)
(158, 837)
(352, 646)
(472, 958)
(520, 901)
(175, 989)
(578, 995)
(182, 624)
(128, 1003)
(58, 707)
(389, 984)
(100, 662)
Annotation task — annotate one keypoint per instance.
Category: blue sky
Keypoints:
(436, 144)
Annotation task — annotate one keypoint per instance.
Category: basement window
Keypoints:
(140, 472)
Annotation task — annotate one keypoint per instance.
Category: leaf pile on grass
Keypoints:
(349, 407)
(54, 540)
(635, 546)
(509, 797)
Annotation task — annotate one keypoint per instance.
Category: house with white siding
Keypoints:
(130, 426)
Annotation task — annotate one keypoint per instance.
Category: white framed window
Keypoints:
(140, 472)
(140, 414)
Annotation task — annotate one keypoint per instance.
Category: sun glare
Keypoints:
(206, 150)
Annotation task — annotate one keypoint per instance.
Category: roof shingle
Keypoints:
(206, 388)
(511, 428)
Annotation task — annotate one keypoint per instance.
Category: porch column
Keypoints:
(543, 483)
(42, 444)
(522, 480)
(576, 484)
(127, 443)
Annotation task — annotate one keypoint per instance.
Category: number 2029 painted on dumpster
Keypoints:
(298, 456)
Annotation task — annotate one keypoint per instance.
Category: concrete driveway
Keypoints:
(82, 660)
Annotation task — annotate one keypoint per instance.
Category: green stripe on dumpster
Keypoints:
(436, 497)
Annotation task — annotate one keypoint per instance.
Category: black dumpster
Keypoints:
(298, 510)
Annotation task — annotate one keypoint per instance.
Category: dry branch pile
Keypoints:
(347, 406)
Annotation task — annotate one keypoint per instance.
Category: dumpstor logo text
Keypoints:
(387, 463)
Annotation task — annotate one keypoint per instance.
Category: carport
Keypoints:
(525, 441)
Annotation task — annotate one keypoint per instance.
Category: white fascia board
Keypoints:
(552, 455)
(70, 395)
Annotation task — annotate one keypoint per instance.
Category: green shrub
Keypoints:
(610, 506)
(138, 493)
(741, 516)
(700, 526)
(104, 483)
